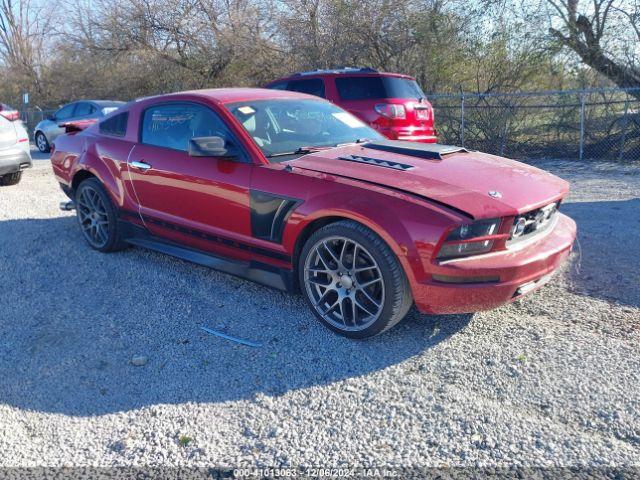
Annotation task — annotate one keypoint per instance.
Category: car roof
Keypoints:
(105, 103)
(100, 103)
(232, 95)
(340, 73)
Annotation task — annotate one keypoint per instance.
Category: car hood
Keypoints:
(481, 185)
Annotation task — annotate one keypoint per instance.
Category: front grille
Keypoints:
(533, 223)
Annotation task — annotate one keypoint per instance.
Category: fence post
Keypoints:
(625, 121)
(462, 118)
(581, 125)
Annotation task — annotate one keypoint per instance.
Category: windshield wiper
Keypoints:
(299, 151)
(356, 142)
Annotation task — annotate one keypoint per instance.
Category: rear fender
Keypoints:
(106, 171)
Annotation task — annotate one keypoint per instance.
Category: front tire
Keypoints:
(10, 179)
(352, 280)
(42, 143)
(98, 217)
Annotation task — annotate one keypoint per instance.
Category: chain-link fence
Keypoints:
(32, 117)
(583, 124)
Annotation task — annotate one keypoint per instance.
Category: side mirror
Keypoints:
(212, 147)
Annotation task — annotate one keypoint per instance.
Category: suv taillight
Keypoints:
(422, 113)
(11, 115)
(391, 110)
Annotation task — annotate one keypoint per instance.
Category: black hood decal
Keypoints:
(377, 162)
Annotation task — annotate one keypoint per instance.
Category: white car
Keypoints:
(15, 154)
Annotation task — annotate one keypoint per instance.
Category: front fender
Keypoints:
(411, 230)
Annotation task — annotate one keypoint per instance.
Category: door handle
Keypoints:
(141, 165)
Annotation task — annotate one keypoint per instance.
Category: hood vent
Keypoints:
(430, 151)
(377, 162)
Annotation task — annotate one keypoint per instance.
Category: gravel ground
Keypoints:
(551, 380)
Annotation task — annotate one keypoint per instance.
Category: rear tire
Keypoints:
(10, 179)
(98, 217)
(42, 143)
(353, 281)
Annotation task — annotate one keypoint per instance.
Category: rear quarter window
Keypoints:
(115, 126)
(311, 86)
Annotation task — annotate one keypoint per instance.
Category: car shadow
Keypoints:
(608, 248)
(73, 319)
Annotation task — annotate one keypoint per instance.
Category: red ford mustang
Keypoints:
(290, 191)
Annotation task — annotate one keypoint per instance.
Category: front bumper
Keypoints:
(422, 135)
(418, 138)
(14, 160)
(511, 274)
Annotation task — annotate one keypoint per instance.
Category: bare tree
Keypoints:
(596, 32)
(25, 27)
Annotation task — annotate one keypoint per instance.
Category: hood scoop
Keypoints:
(377, 162)
(429, 151)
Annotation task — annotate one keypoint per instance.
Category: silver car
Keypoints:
(15, 154)
(47, 130)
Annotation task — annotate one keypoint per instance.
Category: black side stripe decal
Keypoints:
(206, 236)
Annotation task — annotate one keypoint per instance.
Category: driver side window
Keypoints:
(173, 125)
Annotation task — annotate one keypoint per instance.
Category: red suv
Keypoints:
(392, 103)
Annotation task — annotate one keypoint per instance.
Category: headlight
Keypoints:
(461, 243)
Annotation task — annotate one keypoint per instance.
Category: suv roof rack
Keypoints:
(337, 70)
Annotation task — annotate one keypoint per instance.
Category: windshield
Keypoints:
(378, 87)
(293, 126)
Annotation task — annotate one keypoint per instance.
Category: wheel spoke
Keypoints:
(323, 297)
(342, 253)
(354, 312)
(89, 198)
(343, 310)
(101, 233)
(316, 281)
(364, 269)
(324, 261)
(370, 282)
(319, 270)
(335, 304)
(369, 297)
(355, 256)
(333, 255)
(362, 307)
